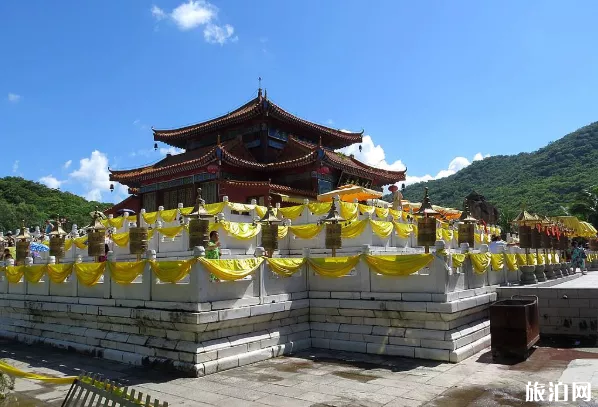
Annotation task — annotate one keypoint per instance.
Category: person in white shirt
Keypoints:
(496, 245)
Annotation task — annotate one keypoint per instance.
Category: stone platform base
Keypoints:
(204, 338)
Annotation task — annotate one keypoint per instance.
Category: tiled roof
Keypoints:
(256, 107)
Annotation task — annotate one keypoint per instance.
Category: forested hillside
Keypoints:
(33, 202)
(545, 180)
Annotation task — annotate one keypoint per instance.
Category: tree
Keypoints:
(585, 205)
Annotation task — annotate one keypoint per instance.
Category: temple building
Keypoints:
(253, 152)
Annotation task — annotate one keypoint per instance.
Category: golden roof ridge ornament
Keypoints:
(333, 215)
(466, 215)
(269, 217)
(24, 233)
(426, 207)
(58, 230)
(96, 223)
(199, 211)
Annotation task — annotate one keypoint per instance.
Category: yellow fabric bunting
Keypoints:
(381, 228)
(404, 230)
(333, 266)
(511, 262)
(399, 265)
(261, 211)
(521, 259)
(242, 231)
(126, 272)
(292, 212)
(366, 209)
(532, 259)
(168, 215)
(282, 232)
(306, 231)
(285, 267)
(81, 242)
(239, 207)
(348, 210)
(89, 273)
(172, 231)
(214, 208)
(353, 229)
(171, 271)
(480, 261)
(34, 273)
(447, 235)
(14, 274)
(59, 272)
(68, 243)
(231, 269)
(541, 258)
(382, 212)
(458, 260)
(497, 261)
(150, 217)
(15, 372)
(120, 239)
(319, 208)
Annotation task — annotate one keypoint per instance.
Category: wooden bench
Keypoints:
(90, 390)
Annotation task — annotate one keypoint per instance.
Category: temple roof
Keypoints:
(259, 106)
(296, 154)
(267, 185)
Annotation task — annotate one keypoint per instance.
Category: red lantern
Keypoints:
(324, 170)
(212, 169)
(393, 188)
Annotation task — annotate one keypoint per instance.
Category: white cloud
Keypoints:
(67, 164)
(374, 155)
(330, 122)
(158, 13)
(93, 175)
(50, 181)
(14, 98)
(171, 150)
(215, 34)
(15, 166)
(195, 14)
(137, 123)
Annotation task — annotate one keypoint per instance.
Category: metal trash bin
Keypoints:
(514, 326)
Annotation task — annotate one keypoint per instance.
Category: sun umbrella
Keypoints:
(123, 211)
(349, 193)
(38, 247)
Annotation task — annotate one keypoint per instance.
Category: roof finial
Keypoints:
(259, 89)
(265, 93)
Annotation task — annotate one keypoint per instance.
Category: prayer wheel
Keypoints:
(138, 240)
(333, 236)
(199, 232)
(57, 248)
(270, 237)
(536, 239)
(96, 243)
(563, 243)
(594, 245)
(525, 237)
(546, 241)
(426, 231)
(466, 233)
(22, 250)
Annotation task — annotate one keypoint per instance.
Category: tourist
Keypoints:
(6, 255)
(49, 227)
(496, 245)
(10, 241)
(578, 256)
(105, 256)
(213, 249)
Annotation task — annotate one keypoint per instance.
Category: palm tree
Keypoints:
(586, 205)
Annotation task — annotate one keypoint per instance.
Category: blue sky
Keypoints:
(433, 83)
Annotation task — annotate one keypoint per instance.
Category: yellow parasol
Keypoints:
(349, 193)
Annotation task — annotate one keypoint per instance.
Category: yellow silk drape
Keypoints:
(480, 261)
(348, 210)
(171, 271)
(34, 273)
(333, 266)
(150, 217)
(89, 274)
(231, 269)
(59, 272)
(282, 232)
(306, 231)
(497, 261)
(68, 243)
(120, 239)
(172, 231)
(168, 215)
(81, 242)
(126, 272)
(353, 229)
(458, 259)
(292, 212)
(399, 265)
(511, 262)
(285, 267)
(404, 230)
(381, 228)
(242, 231)
(319, 208)
(521, 259)
(14, 274)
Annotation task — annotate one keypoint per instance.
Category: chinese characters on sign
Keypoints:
(557, 392)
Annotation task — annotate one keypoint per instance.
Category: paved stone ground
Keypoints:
(317, 379)
(588, 281)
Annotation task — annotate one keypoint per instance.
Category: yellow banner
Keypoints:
(150, 217)
(511, 261)
(497, 261)
(399, 265)
(120, 239)
(285, 267)
(306, 231)
(458, 259)
(126, 272)
(292, 212)
(333, 266)
(231, 269)
(169, 215)
(59, 272)
(480, 262)
(353, 229)
(381, 228)
(319, 208)
(172, 271)
(242, 231)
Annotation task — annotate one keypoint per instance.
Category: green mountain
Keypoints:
(545, 181)
(35, 203)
